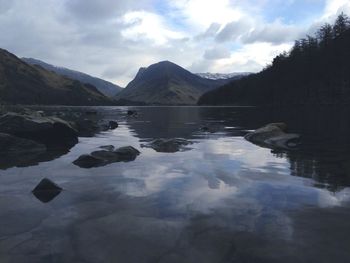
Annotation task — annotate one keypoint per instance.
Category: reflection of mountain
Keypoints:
(165, 122)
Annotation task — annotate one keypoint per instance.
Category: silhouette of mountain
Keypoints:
(166, 83)
(105, 87)
(21, 83)
(315, 72)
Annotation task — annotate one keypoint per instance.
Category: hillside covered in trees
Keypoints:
(316, 71)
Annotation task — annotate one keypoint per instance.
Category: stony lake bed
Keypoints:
(197, 191)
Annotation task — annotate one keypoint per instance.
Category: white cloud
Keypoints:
(143, 25)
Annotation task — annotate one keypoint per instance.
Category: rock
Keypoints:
(46, 190)
(42, 129)
(89, 161)
(107, 147)
(168, 145)
(113, 125)
(87, 128)
(131, 113)
(274, 136)
(104, 157)
(127, 153)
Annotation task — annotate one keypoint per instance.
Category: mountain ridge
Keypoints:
(166, 83)
(107, 88)
(21, 83)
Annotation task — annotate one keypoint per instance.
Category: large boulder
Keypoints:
(38, 128)
(104, 157)
(274, 136)
(168, 145)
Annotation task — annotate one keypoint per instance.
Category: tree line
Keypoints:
(315, 71)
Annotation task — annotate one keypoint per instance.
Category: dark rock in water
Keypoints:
(107, 147)
(274, 136)
(131, 113)
(168, 145)
(104, 157)
(89, 161)
(205, 128)
(46, 190)
(127, 153)
(107, 156)
(43, 129)
(86, 127)
(113, 125)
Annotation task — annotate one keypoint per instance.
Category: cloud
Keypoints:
(275, 33)
(217, 53)
(212, 30)
(102, 9)
(112, 39)
(143, 25)
(233, 30)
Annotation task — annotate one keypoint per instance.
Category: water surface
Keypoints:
(222, 200)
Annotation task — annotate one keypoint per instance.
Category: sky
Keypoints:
(112, 39)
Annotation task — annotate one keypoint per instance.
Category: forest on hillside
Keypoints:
(316, 71)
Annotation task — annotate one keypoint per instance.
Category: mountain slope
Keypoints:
(166, 83)
(315, 72)
(107, 88)
(21, 83)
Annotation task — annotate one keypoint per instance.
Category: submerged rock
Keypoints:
(104, 157)
(274, 136)
(168, 145)
(46, 190)
(42, 129)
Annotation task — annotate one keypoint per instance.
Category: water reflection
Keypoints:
(225, 200)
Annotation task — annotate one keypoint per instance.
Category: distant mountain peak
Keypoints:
(167, 83)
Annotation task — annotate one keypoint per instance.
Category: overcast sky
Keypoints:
(111, 39)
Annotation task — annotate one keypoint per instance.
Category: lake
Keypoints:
(221, 199)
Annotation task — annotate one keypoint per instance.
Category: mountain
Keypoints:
(21, 83)
(107, 88)
(166, 83)
(315, 72)
(231, 76)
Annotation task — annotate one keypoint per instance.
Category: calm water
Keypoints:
(222, 200)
